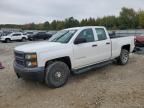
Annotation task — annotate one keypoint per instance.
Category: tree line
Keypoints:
(127, 19)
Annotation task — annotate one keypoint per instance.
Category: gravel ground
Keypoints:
(112, 86)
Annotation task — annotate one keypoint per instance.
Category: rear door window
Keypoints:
(101, 34)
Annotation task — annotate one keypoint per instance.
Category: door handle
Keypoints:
(108, 43)
(94, 45)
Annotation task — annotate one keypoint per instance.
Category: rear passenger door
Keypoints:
(38, 36)
(103, 45)
(19, 37)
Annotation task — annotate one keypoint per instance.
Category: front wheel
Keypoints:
(57, 74)
(7, 40)
(124, 57)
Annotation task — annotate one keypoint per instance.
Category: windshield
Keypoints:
(63, 36)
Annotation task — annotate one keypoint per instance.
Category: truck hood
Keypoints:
(40, 47)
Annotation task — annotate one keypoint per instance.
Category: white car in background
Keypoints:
(14, 37)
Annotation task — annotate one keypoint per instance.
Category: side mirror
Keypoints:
(80, 40)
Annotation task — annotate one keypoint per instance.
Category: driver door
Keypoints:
(84, 53)
(16, 36)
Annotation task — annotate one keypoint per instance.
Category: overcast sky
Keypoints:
(26, 11)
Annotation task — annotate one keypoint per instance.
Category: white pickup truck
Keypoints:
(14, 37)
(73, 50)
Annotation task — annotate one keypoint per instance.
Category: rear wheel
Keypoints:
(7, 40)
(57, 74)
(23, 39)
(124, 57)
(33, 39)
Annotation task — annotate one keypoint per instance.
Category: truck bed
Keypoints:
(119, 41)
(118, 36)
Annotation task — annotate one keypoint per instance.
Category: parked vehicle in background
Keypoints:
(139, 40)
(73, 50)
(5, 33)
(39, 36)
(28, 33)
(13, 37)
(0, 34)
(52, 32)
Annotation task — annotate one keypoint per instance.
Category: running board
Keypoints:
(88, 68)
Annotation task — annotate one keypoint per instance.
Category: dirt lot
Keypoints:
(112, 86)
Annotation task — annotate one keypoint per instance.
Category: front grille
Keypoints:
(20, 62)
(19, 58)
(19, 54)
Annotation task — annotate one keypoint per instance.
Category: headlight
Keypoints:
(30, 56)
(31, 64)
(31, 60)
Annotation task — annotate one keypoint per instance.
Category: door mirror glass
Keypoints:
(80, 40)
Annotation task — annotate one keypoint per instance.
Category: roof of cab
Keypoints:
(84, 27)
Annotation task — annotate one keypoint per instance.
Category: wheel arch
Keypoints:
(24, 37)
(126, 47)
(7, 38)
(65, 59)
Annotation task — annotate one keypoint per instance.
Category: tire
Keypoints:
(124, 57)
(30, 40)
(23, 39)
(7, 40)
(57, 74)
(33, 39)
